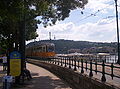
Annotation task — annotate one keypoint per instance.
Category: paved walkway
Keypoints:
(113, 82)
(43, 79)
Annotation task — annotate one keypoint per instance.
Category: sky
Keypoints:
(96, 24)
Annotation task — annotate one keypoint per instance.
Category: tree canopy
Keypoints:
(15, 12)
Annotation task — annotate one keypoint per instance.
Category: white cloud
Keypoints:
(103, 30)
(89, 31)
(59, 30)
(102, 5)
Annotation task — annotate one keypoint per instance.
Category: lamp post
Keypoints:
(117, 32)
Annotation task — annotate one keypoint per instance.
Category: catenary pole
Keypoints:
(117, 32)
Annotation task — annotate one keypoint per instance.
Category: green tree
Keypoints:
(49, 11)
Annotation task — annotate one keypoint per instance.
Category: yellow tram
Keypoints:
(40, 49)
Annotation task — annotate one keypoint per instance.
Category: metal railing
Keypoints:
(89, 65)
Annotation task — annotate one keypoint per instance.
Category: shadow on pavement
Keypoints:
(34, 74)
(44, 82)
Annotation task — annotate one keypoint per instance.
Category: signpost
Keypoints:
(15, 63)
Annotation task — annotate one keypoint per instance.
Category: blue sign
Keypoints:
(15, 55)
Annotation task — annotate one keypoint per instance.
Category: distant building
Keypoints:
(105, 49)
(74, 51)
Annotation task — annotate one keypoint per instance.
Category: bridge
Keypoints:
(81, 73)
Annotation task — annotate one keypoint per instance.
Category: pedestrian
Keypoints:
(27, 74)
(4, 62)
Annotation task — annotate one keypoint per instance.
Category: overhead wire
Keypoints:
(95, 13)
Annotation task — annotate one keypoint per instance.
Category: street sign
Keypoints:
(15, 63)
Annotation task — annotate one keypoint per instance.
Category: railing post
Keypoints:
(111, 59)
(82, 71)
(91, 73)
(78, 63)
(112, 75)
(61, 62)
(106, 60)
(58, 60)
(65, 61)
(103, 79)
(86, 65)
(96, 57)
(69, 63)
(46, 61)
(75, 64)
(96, 67)
(115, 59)
(72, 61)
(55, 61)
(50, 61)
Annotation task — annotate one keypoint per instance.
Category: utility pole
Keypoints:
(117, 32)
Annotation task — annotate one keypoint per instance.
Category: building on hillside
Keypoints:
(74, 51)
(94, 50)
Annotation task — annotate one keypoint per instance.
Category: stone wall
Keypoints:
(74, 79)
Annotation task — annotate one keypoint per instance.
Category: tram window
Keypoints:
(40, 49)
(50, 49)
(46, 49)
(34, 49)
(43, 49)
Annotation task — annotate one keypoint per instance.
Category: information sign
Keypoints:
(15, 63)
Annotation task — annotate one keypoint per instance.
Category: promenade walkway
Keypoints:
(42, 79)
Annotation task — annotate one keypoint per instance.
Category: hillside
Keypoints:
(62, 46)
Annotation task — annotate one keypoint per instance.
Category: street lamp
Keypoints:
(117, 32)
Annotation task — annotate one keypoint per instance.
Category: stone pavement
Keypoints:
(43, 79)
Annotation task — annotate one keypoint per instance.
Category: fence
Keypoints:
(84, 64)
